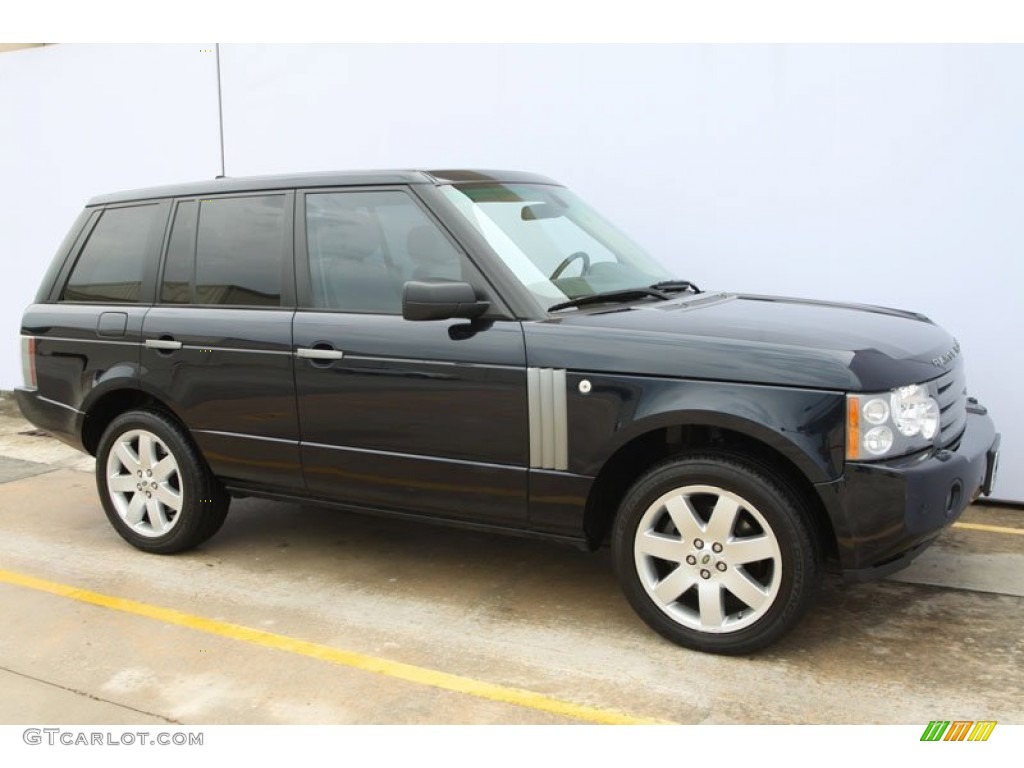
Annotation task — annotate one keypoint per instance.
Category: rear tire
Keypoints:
(716, 554)
(157, 490)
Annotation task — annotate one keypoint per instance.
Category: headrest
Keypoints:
(348, 234)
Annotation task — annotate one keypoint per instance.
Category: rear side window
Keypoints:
(240, 251)
(112, 264)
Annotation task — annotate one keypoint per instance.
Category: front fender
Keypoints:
(804, 425)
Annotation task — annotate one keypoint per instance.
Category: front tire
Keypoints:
(715, 553)
(157, 491)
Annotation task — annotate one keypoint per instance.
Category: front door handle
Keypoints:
(312, 353)
(163, 344)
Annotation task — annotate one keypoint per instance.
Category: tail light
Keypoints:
(28, 361)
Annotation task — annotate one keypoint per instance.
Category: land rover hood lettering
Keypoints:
(943, 360)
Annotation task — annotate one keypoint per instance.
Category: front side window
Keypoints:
(240, 251)
(557, 246)
(364, 246)
(112, 264)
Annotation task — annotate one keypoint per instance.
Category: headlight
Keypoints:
(905, 420)
(914, 412)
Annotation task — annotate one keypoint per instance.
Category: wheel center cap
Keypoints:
(706, 559)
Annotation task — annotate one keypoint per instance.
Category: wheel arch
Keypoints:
(685, 433)
(103, 407)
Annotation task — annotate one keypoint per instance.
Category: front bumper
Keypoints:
(887, 513)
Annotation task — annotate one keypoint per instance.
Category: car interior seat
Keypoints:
(355, 274)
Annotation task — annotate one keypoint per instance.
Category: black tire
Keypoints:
(154, 469)
(762, 545)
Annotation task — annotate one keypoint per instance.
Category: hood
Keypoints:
(755, 339)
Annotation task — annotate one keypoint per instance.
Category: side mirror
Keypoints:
(440, 300)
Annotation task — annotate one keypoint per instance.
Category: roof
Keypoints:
(322, 179)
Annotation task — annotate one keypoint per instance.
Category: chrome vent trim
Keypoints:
(549, 431)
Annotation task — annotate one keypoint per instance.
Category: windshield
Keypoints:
(558, 247)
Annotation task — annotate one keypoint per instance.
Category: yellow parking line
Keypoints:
(396, 669)
(989, 528)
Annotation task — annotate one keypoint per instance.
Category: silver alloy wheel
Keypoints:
(708, 559)
(144, 483)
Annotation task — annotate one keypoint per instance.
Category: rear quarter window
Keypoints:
(112, 264)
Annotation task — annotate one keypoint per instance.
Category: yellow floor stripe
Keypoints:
(360, 661)
(989, 528)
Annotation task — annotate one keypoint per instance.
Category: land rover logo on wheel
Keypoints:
(947, 358)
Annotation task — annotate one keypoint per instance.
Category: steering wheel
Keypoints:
(579, 255)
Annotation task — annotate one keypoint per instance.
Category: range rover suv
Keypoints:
(481, 348)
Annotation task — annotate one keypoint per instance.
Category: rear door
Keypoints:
(417, 417)
(217, 345)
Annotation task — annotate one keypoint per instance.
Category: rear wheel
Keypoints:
(157, 491)
(716, 554)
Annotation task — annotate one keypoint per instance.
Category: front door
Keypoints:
(416, 417)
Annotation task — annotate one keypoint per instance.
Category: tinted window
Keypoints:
(176, 287)
(240, 250)
(113, 261)
(364, 246)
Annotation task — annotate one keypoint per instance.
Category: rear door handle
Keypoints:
(165, 344)
(309, 353)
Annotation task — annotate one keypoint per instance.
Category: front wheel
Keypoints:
(716, 554)
(157, 491)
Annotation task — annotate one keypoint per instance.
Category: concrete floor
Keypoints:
(941, 640)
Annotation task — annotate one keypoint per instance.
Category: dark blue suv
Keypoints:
(483, 349)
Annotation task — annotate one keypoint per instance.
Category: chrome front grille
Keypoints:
(950, 389)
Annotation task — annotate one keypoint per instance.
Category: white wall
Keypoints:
(887, 175)
(79, 120)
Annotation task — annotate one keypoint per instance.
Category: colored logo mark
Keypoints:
(958, 730)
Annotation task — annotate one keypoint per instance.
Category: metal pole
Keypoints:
(220, 112)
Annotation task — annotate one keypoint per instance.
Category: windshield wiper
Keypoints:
(610, 296)
(676, 285)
